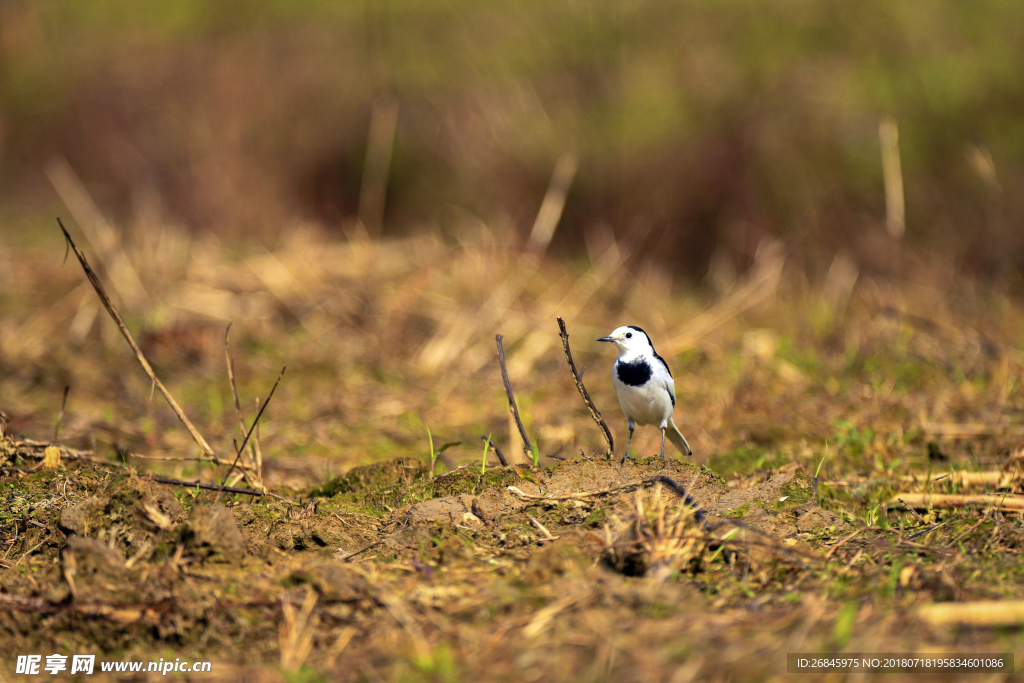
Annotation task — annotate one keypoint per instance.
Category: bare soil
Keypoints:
(387, 573)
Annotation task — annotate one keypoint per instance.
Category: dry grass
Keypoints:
(659, 538)
(915, 388)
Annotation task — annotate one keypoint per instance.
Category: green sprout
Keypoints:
(822, 462)
(728, 537)
(815, 480)
(536, 455)
(483, 462)
(433, 455)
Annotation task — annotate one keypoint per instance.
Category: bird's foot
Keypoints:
(627, 456)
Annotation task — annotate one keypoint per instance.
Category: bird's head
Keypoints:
(630, 340)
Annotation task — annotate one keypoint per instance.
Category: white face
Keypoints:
(629, 340)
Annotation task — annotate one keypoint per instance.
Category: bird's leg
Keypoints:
(662, 443)
(631, 428)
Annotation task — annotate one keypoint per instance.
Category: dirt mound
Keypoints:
(373, 478)
(115, 562)
(131, 508)
(782, 505)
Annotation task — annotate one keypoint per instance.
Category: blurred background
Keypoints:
(697, 127)
(372, 190)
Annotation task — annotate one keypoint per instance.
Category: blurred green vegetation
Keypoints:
(698, 125)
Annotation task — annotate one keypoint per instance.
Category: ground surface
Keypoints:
(580, 568)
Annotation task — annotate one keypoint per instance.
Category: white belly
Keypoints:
(646, 405)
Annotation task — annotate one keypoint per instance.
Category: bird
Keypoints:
(644, 384)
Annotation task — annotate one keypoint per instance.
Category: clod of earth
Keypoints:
(211, 534)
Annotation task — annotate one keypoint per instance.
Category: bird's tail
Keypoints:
(677, 438)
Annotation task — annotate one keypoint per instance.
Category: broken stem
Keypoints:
(578, 378)
(60, 415)
(112, 310)
(249, 433)
(527, 446)
(255, 456)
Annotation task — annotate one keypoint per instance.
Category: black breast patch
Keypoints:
(634, 374)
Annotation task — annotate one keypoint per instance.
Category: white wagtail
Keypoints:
(647, 392)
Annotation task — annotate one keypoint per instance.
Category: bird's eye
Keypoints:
(629, 335)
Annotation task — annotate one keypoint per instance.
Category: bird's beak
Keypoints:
(608, 339)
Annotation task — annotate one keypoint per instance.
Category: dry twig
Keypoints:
(971, 530)
(980, 613)
(578, 378)
(543, 529)
(527, 446)
(923, 501)
(112, 310)
(971, 430)
(842, 542)
(254, 449)
(348, 558)
(171, 458)
(912, 511)
(254, 423)
(60, 415)
(668, 481)
(994, 478)
(206, 487)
